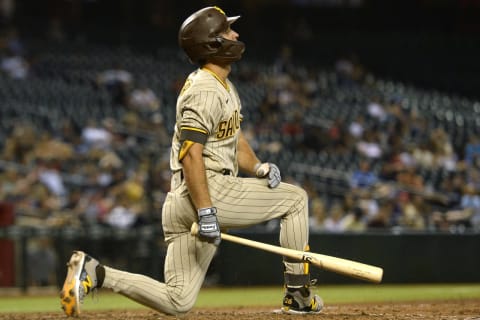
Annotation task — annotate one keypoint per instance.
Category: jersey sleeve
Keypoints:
(200, 112)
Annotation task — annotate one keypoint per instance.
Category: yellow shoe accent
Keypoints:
(87, 284)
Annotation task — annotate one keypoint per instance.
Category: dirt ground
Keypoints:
(436, 310)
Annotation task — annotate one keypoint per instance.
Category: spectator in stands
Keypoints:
(14, 66)
(443, 151)
(129, 203)
(392, 164)
(357, 127)
(472, 175)
(412, 208)
(317, 214)
(369, 146)
(292, 130)
(452, 187)
(355, 220)
(336, 135)
(143, 100)
(348, 70)
(334, 221)
(93, 206)
(363, 177)
(96, 136)
(376, 110)
(9, 177)
(410, 179)
(269, 104)
(470, 201)
(50, 176)
(122, 216)
(383, 218)
(472, 151)
(19, 145)
(366, 201)
(423, 156)
(118, 82)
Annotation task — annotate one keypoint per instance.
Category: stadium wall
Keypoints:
(405, 257)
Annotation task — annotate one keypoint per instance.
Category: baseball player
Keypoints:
(208, 151)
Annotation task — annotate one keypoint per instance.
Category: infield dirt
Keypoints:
(427, 310)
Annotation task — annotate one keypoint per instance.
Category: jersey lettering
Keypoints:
(229, 127)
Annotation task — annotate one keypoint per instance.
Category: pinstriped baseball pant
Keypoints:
(240, 202)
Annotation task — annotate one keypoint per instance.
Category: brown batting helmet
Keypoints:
(200, 37)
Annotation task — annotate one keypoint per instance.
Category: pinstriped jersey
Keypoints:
(207, 106)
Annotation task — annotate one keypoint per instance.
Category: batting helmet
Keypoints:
(200, 37)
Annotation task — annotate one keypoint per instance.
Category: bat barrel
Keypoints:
(346, 267)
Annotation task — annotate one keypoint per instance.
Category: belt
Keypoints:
(225, 172)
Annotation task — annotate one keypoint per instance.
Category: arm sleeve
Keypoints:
(199, 119)
(200, 111)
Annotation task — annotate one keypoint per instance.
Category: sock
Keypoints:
(100, 271)
(304, 291)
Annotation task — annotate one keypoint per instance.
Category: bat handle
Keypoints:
(194, 229)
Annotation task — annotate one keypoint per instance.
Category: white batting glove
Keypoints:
(269, 171)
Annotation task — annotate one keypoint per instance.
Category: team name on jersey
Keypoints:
(228, 128)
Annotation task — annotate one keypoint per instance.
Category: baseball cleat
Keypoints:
(81, 280)
(295, 302)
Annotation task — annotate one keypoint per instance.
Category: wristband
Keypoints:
(207, 211)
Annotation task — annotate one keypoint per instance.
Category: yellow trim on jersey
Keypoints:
(224, 84)
(186, 85)
(186, 145)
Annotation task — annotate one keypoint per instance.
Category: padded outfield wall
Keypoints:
(406, 258)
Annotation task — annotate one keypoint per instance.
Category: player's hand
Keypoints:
(269, 171)
(208, 227)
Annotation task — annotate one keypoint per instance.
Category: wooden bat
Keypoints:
(345, 267)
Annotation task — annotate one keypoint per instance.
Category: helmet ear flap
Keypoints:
(217, 44)
(212, 47)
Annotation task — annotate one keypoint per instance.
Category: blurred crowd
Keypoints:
(79, 175)
(408, 159)
(75, 175)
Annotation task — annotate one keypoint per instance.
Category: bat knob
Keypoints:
(194, 229)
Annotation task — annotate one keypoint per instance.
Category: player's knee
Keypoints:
(182, 306)
(301, 194)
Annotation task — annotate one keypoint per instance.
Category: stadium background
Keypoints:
(413, 55)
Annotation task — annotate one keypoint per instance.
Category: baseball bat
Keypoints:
(341, 266)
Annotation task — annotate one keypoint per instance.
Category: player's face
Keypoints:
(230, 34)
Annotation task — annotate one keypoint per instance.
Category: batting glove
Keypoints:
(269, 171)
(208, 227)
